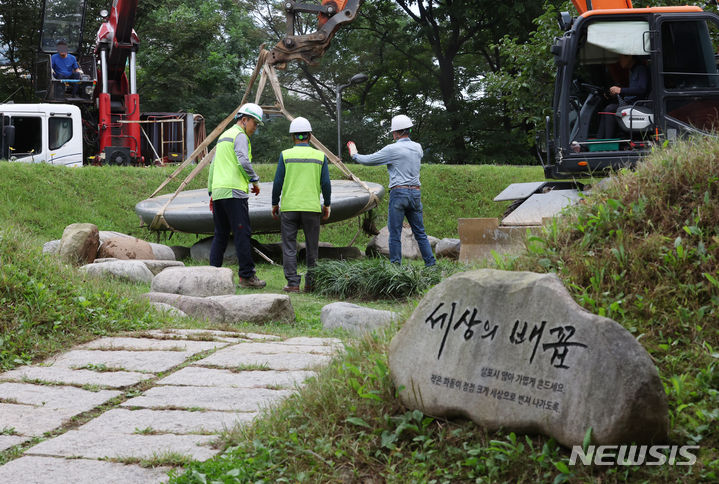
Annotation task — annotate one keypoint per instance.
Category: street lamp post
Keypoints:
(356, 79)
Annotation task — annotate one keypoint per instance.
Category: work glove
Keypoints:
(212, 207)
(326, 212)
(352, 148)
(276, 212)
(255, 189)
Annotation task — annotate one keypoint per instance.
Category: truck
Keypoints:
(41, 133)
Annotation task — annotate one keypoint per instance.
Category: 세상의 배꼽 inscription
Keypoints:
(513, 350)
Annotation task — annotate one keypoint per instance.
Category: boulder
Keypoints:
(195, 281)
(128, 270)
(79, 243)
(155, 266)
(125, 247)
(162, 252)
(448, 248)
(231, 309)
(512, 350)
(379, 244)
(168, 309)
(51, 247)
(355, 319)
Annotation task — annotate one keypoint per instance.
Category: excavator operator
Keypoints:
(638, 88)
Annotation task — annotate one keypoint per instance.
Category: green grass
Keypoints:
(643, 253)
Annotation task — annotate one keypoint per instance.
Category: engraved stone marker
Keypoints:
(513, 350)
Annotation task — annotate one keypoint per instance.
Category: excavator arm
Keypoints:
(587, 5)
(332, 14)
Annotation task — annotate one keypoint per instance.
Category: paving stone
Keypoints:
(276, 348)
(304, 340)
(210, 398)
(146, 344)
(35, 421)
(211, 377)
(99, 445)
(42, 470)
(114, 379)
(7, 441)
(55, 396)
(286, 361)
(152, 361)
(124, 421)
(217, 334)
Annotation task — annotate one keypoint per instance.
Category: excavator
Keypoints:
(677, 48)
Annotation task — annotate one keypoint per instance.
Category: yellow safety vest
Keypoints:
(227, 173)
(301, 188)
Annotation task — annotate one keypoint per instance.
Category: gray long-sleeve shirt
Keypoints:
(402, 159)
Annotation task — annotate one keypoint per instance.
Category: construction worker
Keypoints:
(302, 172)
(403, 160)
(65, 66)
(228, 183)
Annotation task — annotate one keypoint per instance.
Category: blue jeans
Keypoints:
(405, 202)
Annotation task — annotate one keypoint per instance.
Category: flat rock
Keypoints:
(101, 445)
(355, 319)
(512, 350)
(230, 309)
(127, 270)
(335, 343)
(113, 379)
(197, 376)
(51, 247)
(202, 308)
(209, 335)
(256, 308)
(7, 441)
(279, 348)
(189, 347)
(42, 470)
(55, 396)
(286, 361)
(122, 421)
(34, 421)
(151, 361)
(208, 398)
(195, 281)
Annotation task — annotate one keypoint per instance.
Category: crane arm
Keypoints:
(332, 14)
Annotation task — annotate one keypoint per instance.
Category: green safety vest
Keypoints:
(301, 187)
(226, 172)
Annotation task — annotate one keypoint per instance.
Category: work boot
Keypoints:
(252, 282)
(291, 288)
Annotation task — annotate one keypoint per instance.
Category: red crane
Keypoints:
(117, 99)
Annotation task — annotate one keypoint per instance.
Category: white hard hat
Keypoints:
(251, 109)
(300, 125)
(401, 122)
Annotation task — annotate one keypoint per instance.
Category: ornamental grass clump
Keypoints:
(375, 278)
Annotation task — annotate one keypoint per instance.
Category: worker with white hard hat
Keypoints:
(403, 161)
(302, 174)
(228, 184)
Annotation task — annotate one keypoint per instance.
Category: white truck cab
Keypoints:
(41, 133)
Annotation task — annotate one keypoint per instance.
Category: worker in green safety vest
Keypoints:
(228, 183)
(302, 173)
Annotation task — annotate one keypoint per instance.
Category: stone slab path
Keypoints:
(121, 409)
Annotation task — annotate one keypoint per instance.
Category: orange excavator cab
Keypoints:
(587, 5)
